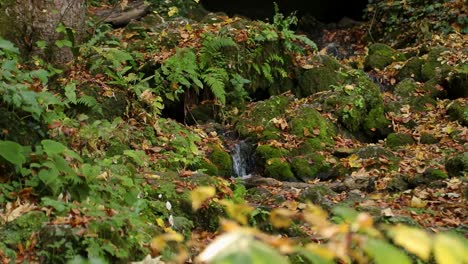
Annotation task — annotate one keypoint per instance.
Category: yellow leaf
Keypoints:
(172, 11)
(160, 222)
(238, 212)
(320, 251)
(354, 161)
(414, 240)
(281, 218)
(200, 194)
(450, 250)
(417, 203)
(306, 132)
(158, 243)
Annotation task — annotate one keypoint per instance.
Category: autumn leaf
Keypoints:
(158, 243)
(281, 218)
(355, 161)
(200, 195)
(414, 240)
(450, 249)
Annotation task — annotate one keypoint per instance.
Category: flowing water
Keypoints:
(242, 158)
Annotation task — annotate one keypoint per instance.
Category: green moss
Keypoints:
(457, 83)
(381, 55)
(319, 78)
(406, 88)
(20, 230)
(412, 69)
(457, 165)
(433, 68)
(427, 138)
(279, 169)
(208, 167)
(376, 121)
(307, 167)
(266, 152)
(308, 123)
(260, 116)
(222, 160)
(398, 139)
(435, 174)
(458, 111)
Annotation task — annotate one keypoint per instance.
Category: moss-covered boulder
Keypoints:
(412, 69)
(279, 168)
(427, 138)
(20, 230)
(222, 160)
(357, 104)
(266, 152)
(256, 122)
(306, 122)
(411, 93)
(457, 165)
(381, 55)
(432, 67)
(458, 111)
(395, 140)
(309, 166)
(320, 75)
(456, 84)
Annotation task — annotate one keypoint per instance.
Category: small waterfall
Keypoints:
(242, 158)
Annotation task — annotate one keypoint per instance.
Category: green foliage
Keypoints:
(406, 22)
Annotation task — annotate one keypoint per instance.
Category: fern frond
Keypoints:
(90, 102)
(212, 47)
(215, 78)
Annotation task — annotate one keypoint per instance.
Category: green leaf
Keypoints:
(8, 46)
(63, 43)
(52, 147)
(385, 253)
(70, 92)
(240, 248)
(12, 152)
(138, 156)
(415, 240)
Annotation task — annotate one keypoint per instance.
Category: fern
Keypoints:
(210, 51)
(216, 78)
(90, 102)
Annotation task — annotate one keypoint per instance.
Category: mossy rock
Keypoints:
(222, 160)
(456, 84)
(398, 183)
(395, 140)
(208, 167)
(358, 105)
(308, 167)
(278, 168)
(307, 122)
(256, 122)
(432, 67)
(458, 165)
(412, 69)
(320, 77)
(435, 174)
(458, 111)
(410, 94)
(427, 138)
(316, 194)
(266, 152)
(19, 230)
(381, 55)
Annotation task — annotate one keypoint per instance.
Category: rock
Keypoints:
(412, 69)
(322, 74)
(395, 140)
(266, 152)
(398, 184)
(456, 84)
(361, 183)
(381, 55)
(222, 160)
(427, 138)
(432, 67)
(309, 166)
(307, 122)
(458, 111)
(457, 165)
(411, 93)
(358, 105)
(435, 174)
(279, 169)
(317, 194)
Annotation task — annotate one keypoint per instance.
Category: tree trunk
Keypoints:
(25, 22)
